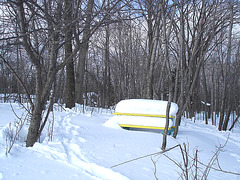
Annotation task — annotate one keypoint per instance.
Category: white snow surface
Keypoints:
(146, 106)
(84, 148)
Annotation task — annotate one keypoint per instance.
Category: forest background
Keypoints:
(98, 52)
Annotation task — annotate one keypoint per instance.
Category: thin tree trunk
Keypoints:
(36, 117)
(166, 59)
(182, 60)
(106, 75)
(153, 44)
(212, 99)
(225, 73)
(234, 122)
(38, 107)
(83, 55)
(106, 84)
(227, 117)
(43, 89)
(70, 79)
(205, 95)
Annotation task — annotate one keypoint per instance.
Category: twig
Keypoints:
(196, 165)
(208, 167)
(19, 80)
(6, 146)
(14, 111)
(50, 127)
(18, 129)
(155, 168)
(157, 153)
(215, 157)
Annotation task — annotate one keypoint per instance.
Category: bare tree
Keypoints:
(70, 76)
(203, 24)
(226, 70)
(83, 53)
(153, 36)
(40, 34)
(166, 34)
(42, 88)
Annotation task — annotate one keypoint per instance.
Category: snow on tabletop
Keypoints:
(145, 106)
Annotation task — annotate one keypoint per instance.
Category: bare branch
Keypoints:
(19, 80)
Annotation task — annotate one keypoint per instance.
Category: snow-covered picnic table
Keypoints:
(144, 114)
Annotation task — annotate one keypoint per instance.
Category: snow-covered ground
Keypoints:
(84, 148)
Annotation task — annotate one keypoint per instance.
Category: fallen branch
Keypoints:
(157, 153)
(188, 166)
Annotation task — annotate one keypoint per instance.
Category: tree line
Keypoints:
(99, 52)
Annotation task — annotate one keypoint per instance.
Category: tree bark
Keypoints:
(182, 60)
(205, 96)
(166, 36)
(227, 117)
(234, 122)
(153, 44)
(106, 85)
(79, 89)
(42, 90)
(70, 79)
(225, 73)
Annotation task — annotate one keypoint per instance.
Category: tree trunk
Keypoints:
(206, 107)
(182, 60)
(234, 122)
(106, 84)
(70, 79)
(227, 117)
(153, 45)
(225, 73)
(83, 54)
(43, 88)
(36, 117)
(166, 59)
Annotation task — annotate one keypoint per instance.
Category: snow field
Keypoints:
(86, 146)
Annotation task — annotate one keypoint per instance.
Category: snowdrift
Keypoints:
(144, 114)
(82, 147)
